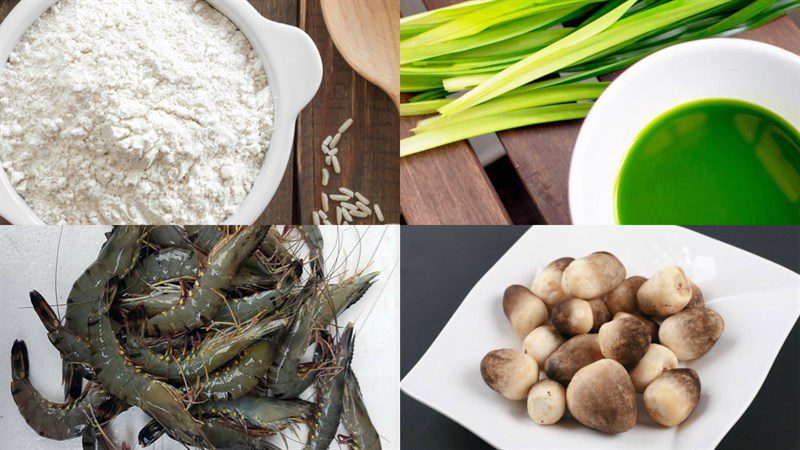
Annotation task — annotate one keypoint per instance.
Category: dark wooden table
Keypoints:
(449, 185)
(368, 151)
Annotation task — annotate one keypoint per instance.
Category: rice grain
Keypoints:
(346, 125)
(346, 192)
(335, 161)
(324, 201)
(378, 212)
(346, 215)
(339, 197)
(325, 176)
(361, 198)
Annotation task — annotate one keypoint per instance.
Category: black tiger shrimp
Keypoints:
(117, 373)
(205, 330)
(330, 395)
(53, 420)
(355, 418)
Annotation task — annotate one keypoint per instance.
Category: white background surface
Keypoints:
(758, 300)
(28, 261)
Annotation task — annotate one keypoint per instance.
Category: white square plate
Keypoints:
(759, 301)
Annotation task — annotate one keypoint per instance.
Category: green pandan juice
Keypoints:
(714, 161)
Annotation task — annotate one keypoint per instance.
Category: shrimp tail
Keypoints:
(150, 433)
(20, 368)
(73, 381)
(45, 312)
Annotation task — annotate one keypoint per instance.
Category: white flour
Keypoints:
(134, 111)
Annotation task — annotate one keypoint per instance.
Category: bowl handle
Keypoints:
(304, 71)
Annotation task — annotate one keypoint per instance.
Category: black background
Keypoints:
(442, 264)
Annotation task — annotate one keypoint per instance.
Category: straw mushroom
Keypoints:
(666, 293)
(547, 284)
(547, 401)
(509, 372)
(542, 342)
(523, 309)
(573, 316)
(697, 298)
(574, 354)
(671, 397)
(652, 325)
(601, 396)
(592, 276)
(691, 333)
(600, 314)
(657, 359)
(623, 297)
(624, 340)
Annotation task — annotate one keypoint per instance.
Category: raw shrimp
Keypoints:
(355, 418)
(243, 309)
(238, 377)
(163, 265)
(210, 355)
(116, 258)
(73, 348)
(117, 374)
(205, 299)
(258, 412)
(330, 392)
(57, 420)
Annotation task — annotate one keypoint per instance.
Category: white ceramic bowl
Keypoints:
(713, 68)
(758, 301)
(294, 71)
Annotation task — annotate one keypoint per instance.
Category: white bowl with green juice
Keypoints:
(704, 132)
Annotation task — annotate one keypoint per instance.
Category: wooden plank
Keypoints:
(368, 152)
(280, 209)
(542, 154)
(447, 186)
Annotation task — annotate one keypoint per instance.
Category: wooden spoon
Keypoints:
(367, 34)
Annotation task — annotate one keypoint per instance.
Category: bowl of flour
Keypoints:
(146, 111)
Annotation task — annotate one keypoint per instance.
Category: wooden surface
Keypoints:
(368, 151)
(541, 156)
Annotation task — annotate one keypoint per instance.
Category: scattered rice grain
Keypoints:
(315, 218)
(325, 149)
(333, 151)
(346, 192)
(324, 201)
(325, 176)
(348, 206)
(361, 198)
(359, 214)
(339, 197)
(336, 167)
(322, 214)
(364, 208)
(346, 215)
(378, 212)
(345, 125)
(335, 140)
(339, 215)
(327, 141)
(328, 160)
